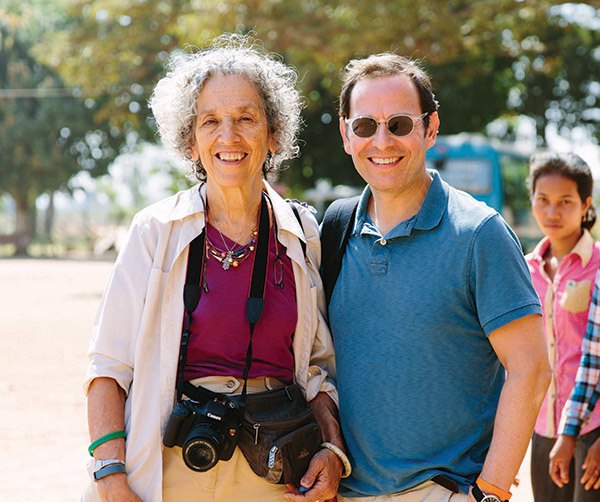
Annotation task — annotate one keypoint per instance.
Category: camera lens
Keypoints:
(201, 449)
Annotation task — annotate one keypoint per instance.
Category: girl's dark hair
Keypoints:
(570, 166)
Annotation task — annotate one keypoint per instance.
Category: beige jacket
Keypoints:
(138, 326)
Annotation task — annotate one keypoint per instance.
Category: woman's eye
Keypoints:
(208, 122)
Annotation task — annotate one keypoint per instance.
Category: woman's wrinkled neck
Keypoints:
(232, 207)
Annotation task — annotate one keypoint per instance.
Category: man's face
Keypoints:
(388, 163)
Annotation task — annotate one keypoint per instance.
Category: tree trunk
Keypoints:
(25, 221)
(49, 218)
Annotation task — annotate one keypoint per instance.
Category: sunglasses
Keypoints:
(398, 125)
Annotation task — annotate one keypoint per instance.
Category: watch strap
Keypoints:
(99, 464)
(482, 497)
(494, 490)
(109, 469)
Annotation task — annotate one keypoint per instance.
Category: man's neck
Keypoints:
(388, 209)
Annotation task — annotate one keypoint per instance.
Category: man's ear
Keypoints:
(432, 129)
(344, 134)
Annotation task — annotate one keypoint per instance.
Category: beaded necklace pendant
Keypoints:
(231, 257)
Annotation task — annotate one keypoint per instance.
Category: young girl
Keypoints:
(563, 267)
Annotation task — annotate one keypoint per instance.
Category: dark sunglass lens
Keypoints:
(401, 125)
(364, 127)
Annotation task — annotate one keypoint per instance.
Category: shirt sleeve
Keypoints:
(500, 281)
(586, 391)
(112, 347)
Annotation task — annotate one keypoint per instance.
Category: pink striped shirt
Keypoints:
(565, 305)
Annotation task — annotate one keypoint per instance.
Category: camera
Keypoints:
(206, 432)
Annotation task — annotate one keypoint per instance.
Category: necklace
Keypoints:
(230, 257)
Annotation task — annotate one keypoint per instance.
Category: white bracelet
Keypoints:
(342, 456)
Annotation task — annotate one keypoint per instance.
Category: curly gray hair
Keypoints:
(173, 101)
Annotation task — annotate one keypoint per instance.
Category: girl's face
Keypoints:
(557, 207)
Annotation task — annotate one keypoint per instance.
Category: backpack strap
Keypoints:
(335, 231)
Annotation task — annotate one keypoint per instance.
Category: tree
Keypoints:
(559, 72)
(483, 56)
(46, 135)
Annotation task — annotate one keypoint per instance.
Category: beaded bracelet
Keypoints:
(104, 439)
(342, 456)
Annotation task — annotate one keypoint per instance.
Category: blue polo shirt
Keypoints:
(418, 379)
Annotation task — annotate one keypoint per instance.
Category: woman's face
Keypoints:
(231, 135)
(557, 207)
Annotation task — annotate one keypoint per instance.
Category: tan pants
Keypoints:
(225, 482)
(427, 492)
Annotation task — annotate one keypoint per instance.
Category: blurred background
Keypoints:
(78, 147)
(79, 154)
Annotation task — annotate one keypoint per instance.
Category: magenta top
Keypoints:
(220, 332)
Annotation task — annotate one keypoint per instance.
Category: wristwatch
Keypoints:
(482, 497)
(103, 468)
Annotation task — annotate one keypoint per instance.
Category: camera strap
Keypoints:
(254, 305)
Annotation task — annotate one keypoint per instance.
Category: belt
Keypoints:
(440, 479)
(447, 483)
(233, 386)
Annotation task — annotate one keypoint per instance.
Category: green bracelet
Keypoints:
(104, 439)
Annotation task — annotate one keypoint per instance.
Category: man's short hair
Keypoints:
(385, 65)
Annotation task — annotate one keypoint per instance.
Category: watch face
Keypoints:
(490, 498)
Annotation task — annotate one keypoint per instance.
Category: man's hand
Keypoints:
(560, 459)
(322, 477)
(591, 466)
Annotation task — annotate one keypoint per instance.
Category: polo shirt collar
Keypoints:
(429, 216)
(435, 203)
(584, 248)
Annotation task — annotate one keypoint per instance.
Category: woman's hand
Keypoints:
(560, 459)
(322, 478)
(591, 466)
(115, 488)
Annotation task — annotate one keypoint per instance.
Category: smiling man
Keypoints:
(441, 360)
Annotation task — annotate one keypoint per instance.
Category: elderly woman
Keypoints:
(233, 113)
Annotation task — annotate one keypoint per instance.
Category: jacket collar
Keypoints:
(191, 202)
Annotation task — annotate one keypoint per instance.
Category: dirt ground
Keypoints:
(47, 308)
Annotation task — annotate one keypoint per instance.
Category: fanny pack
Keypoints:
(279, 434)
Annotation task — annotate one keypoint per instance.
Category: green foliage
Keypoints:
(43, 142)
(488, 58)
(559, 73)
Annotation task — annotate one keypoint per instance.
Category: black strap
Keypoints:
(256, 298)
(191, 297)
(335, 231)
(292, 203)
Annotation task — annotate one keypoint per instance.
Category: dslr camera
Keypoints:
(206, 432)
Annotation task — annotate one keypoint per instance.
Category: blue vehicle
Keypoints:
(492, 172)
